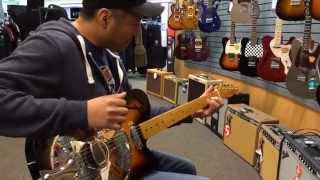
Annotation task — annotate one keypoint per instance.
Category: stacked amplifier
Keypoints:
(270, 139)
(198, 83)
(242, 125)
(300, 157)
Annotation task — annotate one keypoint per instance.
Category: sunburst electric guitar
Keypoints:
(114, 155)
(230, 56)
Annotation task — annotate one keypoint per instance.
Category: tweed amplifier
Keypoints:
(242, 125)
(197, 85)
(182, 91)
(155, 79)
(217, 124)
(300, 157)
(270, 139)
(170, 90)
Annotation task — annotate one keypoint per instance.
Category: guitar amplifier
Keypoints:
(217, 124)
(155, 80)
(197, 85)
(300, 157)
(242, 125)
(270, 139)
(182, 91)
(170, 90)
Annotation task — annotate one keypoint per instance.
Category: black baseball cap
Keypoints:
(140, 8)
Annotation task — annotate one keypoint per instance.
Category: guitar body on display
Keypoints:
(115, 155)
(174, 21)
(290, 10)
(199, 50)
(189, 18)
(209, 21)
(315, 9)
(241, 11)
(247, 65)
(181, 50)
(270, 67)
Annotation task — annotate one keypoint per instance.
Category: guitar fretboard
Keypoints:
(307, 26)
(233, 33)
(278, 33)
(254, 22)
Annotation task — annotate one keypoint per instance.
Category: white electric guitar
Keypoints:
(281, 50)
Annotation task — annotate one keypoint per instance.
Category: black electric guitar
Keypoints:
(251, 50)
(302, 79)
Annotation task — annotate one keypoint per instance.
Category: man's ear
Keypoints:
(103, 17)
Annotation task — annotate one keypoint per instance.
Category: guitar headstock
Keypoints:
(224, 90)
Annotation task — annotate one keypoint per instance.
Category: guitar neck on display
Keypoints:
(301, 78)
(241, 11)
(229, 59)
(116, 154)
(271, 67)
(252, 51)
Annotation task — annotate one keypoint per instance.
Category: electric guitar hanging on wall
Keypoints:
(198, 50)
(241, 11)
(315, 9)
(174, 21)
(275, 62)
(189, 18)
(251, 50)
(209, 20)
(230, 56)
(181, 50)
(114, 155)
(302, 79)
(291, 10)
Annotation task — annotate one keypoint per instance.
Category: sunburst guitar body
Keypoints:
(315, 9)
(174, 21)
(230, 56)
(290, 10)
(189, 19)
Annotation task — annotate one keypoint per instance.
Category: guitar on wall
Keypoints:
(181, 50)
(230, 56)
(315, 12)
(241, 11)
(209, 21)
(302, 79)
(114, 155)
(198, 50)
(174, 21)
(275, 62)
(291, 10)
(251, 50)
(189, 18)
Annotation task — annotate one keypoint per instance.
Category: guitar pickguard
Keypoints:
(282, 52)
(233, 48)
(254, 50)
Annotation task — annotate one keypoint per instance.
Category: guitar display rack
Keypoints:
(265, 26)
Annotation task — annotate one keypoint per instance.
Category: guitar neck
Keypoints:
(278, 33)
(307, 26)
(254, 23)
(168, 119)
(233, 33)
(157, 124)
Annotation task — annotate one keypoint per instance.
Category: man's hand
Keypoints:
(213, 104)
(107, 111)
